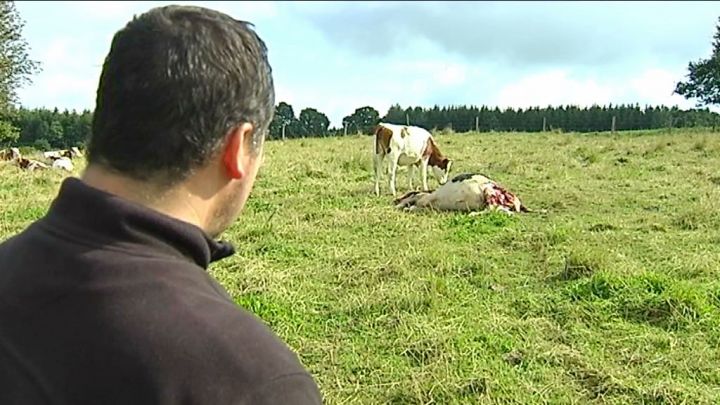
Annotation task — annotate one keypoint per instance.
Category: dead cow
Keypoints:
(465, 192)
(411, 146)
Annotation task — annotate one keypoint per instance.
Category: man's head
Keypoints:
(185, 99)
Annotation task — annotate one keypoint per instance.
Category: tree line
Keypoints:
(485, 119)
(45, 129)
(566, 118)
(53, 129)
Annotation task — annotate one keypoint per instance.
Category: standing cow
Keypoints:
(408, 146)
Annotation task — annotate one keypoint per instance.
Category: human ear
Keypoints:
(236, 147)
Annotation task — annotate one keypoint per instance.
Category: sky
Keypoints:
(339, 56)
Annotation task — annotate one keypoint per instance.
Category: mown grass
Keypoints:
(608, 293)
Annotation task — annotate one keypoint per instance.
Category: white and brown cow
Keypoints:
(10, 154)
(30, 164)
(467, 192)
(67, 153)
(411, 146)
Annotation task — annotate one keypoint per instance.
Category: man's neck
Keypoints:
(176, 202)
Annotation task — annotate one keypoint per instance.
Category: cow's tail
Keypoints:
(376, 134)
(382, 146)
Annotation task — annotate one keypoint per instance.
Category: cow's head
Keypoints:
(441, 171)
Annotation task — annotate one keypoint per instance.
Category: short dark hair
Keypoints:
(175, 81)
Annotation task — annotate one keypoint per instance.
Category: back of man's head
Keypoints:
(175, 81)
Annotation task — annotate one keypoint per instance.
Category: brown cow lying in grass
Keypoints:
(13, 156)
(10, 154)
(465, 192)
(30, 164)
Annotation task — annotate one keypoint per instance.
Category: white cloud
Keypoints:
(65, 54)
(62, 91)
(438, 71)
(554, 87)
(68, 78)
(407, 82)
(653, 86)
(656, 86)
(451, 75)
(56, 52)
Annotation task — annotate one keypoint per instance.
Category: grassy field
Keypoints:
(611, 295)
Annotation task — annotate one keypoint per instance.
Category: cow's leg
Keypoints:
(393, 172)
(377, 165)
(424, 170)
(411, 174)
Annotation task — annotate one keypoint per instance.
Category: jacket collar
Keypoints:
(113, 219)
